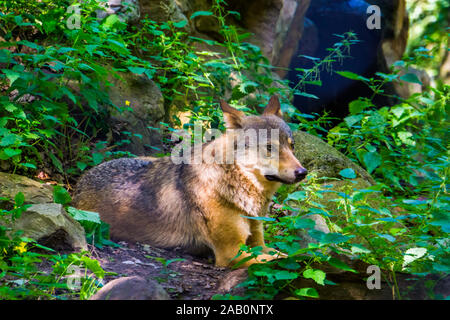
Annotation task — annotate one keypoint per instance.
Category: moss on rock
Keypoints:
(318, 156)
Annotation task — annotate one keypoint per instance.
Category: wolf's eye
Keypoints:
(269, 148)
(291, 143)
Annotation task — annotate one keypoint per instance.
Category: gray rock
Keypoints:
(50, 225)
(319, 157)
(147, 103)
(131, 288)
(34, 191)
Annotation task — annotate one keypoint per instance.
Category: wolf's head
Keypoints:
(263, 144)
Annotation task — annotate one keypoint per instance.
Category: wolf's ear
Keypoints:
(273, 107)
(232, 116)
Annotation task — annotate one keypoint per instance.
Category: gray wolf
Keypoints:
(196, 206)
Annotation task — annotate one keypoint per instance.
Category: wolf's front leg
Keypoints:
(228, 233)
(256, 238)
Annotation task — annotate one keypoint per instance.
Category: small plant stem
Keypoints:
(394, 278)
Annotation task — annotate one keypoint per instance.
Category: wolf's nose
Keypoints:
(300, 173)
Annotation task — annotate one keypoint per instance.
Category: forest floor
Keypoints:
(183, 276)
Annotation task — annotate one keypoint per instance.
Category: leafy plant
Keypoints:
(97, 231)
(22, 275)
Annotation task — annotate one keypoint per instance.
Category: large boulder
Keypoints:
(50, 225)
(34, 191)
(319, 157)
(131, 288)
(146, 101)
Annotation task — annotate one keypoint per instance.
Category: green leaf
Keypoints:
(37, 245)
(61, 195)
(388, 77)
(399, 63)
(235, 13)
(386, 236)
(441, 219)
(309, 57)
(315, 274)
(10, 107)
(69, 94)
(357, 106)
(304, 94)
(307, 292)
(351, 75)
(28, 165)
(289, 263)
(94, 266)
(211, 43)
(83, 215)
(31, 45)
(412, 255)
(340, 265)
(19, 199)
(348, 173)
(243, 87)
(201, 13)
(333, 238)
(398, 111)
(405, 137)
(296, 196)
(285, 275)
(352, 120)
(97, 158)
(411, 77)
(259, 218)
(137, 70)
(180, 24)
(358, 248)
(81, 165)
(56, 162)
(117, 46)
(414, 202)
(9, 153)
(304, 223)
(372, 160)
(11, 75)
(10, 139)
(110, 21)
(63, 50)
(91, 97)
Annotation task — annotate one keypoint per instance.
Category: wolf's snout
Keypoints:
(300, 173)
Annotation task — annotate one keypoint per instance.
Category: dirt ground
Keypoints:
(186, 278)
